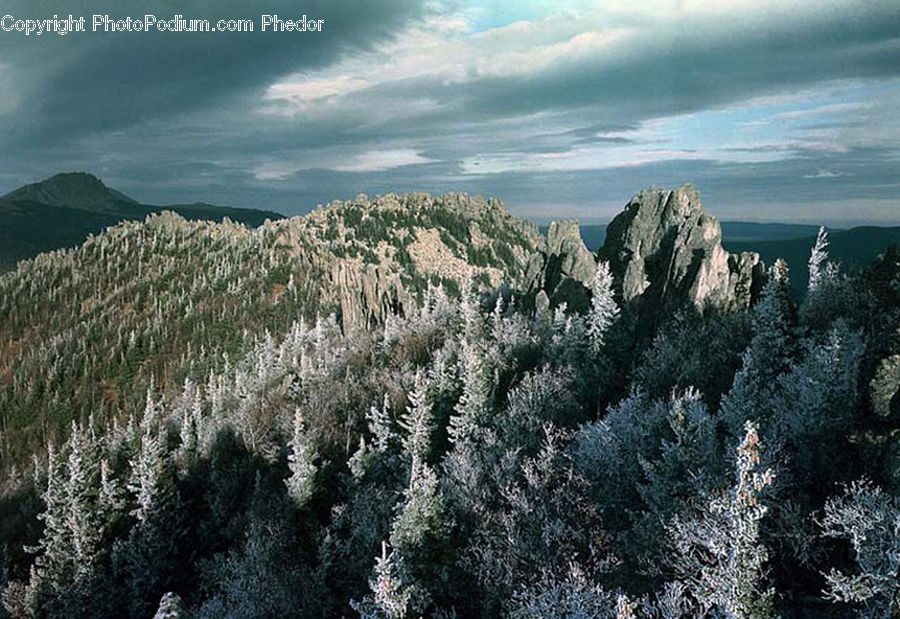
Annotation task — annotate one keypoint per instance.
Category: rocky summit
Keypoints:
(664, 250)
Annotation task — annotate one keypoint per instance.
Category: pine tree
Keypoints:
(604, 309)
(81, 492)
(418, 422)
(718, 554)
(869, 519)
(191, 421)
(474, 404)
(768, 356)
(381, 425)
(147, 482)
(111, 501)
(53, 568)
(146, 560)
(301, 484)
(391, 596)
(817, 258)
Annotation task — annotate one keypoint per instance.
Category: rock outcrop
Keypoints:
(377, 256)
(665, 250)
(562, 271)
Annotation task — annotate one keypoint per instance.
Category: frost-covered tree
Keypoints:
(170, 607)
(391, 596)
(604, 309)
(769, 354)
(145, 559)
(543, 396)
(148, 483)
(609, 454)
(475, 402)
(817, 259)
(815, 403)
(573, 595)
(420, 531)
(301, 484)
(191, 411)
(418, 423)
(718, 553)
(53, 567)
(869, 519)
(264, 574)
(81, 495)
(543, 523)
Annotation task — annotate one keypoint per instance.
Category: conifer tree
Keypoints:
(301, 484)
(718, 554)
(768, 356)
(817, 258)
(604, 309)
(474, 403)
(146, 559)
(418, 422)
(81, 495)
(869, 519)
(53, 567)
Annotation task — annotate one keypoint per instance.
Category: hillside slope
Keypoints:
(394, 407)
(90, 330)
(854, 248)
(63, 210)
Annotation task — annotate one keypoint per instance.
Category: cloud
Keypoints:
(380, 160)
(574, 103)
(824, 174)
(100, 82)
(370, 161)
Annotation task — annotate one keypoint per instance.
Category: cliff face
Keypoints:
(562, 270)
(379, 255)
(664, 250)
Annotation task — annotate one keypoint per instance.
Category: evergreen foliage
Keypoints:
(468, 455)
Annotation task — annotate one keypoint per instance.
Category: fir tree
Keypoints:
(817, 258)
(869, 519)
(604, 309)
(719, 555)
(301, 484)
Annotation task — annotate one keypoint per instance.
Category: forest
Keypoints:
(204, 436)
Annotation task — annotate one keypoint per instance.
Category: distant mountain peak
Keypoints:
(71, 189)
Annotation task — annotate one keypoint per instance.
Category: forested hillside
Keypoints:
(853, 249)
(63, 210)
(419, 406)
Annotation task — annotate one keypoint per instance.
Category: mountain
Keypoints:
(748, 231)
(73, 190)
(166, 298)
(63, 210)
(419, 405)
(853, 248)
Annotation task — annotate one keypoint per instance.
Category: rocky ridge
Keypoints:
(665, 250)
(380, 255)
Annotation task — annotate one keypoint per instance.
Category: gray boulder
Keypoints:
(564, 244)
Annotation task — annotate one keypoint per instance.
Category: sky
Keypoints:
(775, 110)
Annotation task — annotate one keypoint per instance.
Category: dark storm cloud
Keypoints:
(681, 67)
(180, 117)
(90, 82)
